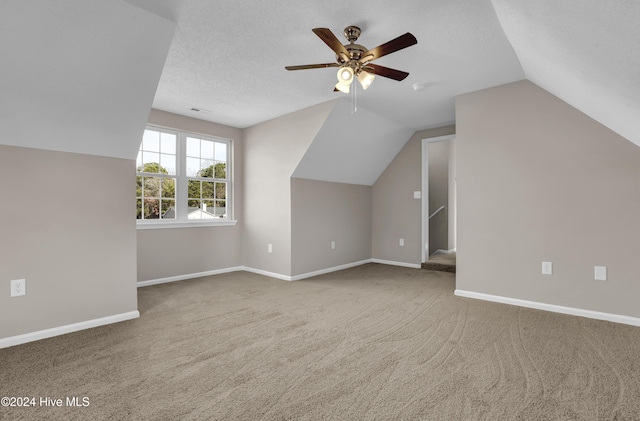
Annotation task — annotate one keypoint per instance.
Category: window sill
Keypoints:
(184, 224)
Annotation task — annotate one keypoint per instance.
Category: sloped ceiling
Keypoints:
(228, 58)
(586, 52)
(79, 75)
(352, 147)
(92, 66)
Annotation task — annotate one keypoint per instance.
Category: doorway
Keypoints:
(438, 196)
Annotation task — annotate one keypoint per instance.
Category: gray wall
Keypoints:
(322, 212)
(438, 153)
(272, 150)
(68, 228)
(395, 213)
(168, 252)
(540, 181)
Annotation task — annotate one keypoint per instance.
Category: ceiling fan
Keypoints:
(354, 60)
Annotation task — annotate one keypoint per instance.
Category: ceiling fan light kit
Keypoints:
(345, 75)
(354, 60)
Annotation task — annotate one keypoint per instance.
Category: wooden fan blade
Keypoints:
(334, 43)
(312, 66)
(403, 41)
(385, 71)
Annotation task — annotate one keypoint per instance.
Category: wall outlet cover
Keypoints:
(18, 287)
(600, 273)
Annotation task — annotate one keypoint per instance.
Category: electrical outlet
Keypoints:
(18, 287)
(547, 268)
(333, 245)
(270, 248)
(401, 242)
(600, 273)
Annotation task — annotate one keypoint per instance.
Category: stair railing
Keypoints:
(436, 212)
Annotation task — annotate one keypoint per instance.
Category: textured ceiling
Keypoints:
(88, 64)
(228, 58)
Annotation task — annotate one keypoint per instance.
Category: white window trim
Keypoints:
(149, 224)
(181, 220)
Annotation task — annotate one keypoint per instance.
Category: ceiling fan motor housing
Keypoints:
(352, 33)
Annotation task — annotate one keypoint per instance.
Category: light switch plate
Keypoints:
(417, 195)
(547, 268)
(600, 273)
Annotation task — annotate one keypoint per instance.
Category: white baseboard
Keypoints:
(273, 274)
(188, 276)
(616, 318)
(61, 330)
(266, 273)
(403, 264)
(329, 270)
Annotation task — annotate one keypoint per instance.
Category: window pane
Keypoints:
(138, 186)
(139, 209)
(206, 168)
(206, 149)
(221, 170)
(221, 190)
(168, 143)
(151, 187)
(151, 141)
(148, 159)
(169, 187)
(151, 209)
(221, 152)
(194, 189)
(193, 147)
(168, 162)
(168, 209)
(193, 204)
(193, 167)
(221, 210)
(208, 190)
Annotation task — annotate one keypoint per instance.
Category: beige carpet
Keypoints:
(444, 262)
(369, 343)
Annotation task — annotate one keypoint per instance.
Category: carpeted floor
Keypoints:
(369, 343)
(444, 262)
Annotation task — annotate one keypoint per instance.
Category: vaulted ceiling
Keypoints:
(89, 64)
(228, 58)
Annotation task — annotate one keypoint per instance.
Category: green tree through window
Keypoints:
(182, 177)
(155, 195)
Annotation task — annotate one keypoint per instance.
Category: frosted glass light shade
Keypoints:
(342, 87)
(365, 79)
(345, 75)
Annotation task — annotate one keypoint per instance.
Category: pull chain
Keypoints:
(354, 98)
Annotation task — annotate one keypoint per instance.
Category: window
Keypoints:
(182, 177)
